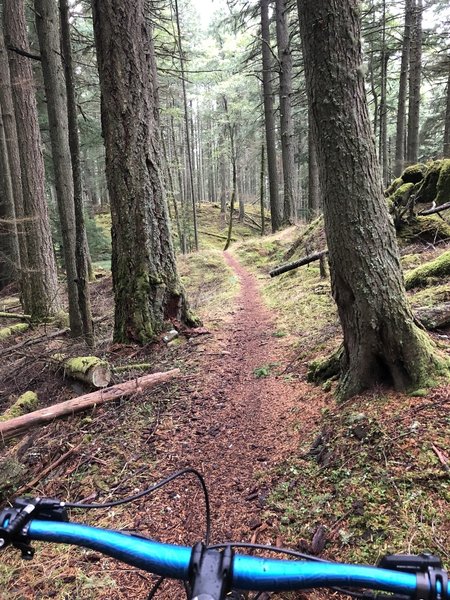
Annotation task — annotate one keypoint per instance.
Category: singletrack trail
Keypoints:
(237, 424)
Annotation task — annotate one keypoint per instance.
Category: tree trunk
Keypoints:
(261, 190)
(269, 119)
(47, 25)
(12, 144)
(384, 59)
(82, 258)
(415, 73)
(446, 148)
(402, 90)
(147, 289)
(313, 172)
(43, 283)
(381, 341)
(231, 132)
(9, 245)
(186, 122)
(286, 122)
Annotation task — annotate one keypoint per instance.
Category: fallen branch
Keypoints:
(215, 235)
(436, 209)
(10, 315)
(48, 469)
(19, 425)
(298, 263)
(137, 366)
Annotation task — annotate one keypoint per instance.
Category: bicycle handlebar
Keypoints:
(248, 572)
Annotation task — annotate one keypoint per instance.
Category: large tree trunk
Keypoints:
(402, 90)
(269, 119)
(446, 148)
(43, 300)
(82, 258)
(47, 24)
(286, 122)
(147, 289)
(314, 204)
(415, 74)
(9, 245)
(9, 124)
(381, 341)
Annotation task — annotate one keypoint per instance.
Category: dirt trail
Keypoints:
(237, 424)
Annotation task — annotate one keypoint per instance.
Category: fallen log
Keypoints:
(10, 315)
(298, 263)
(215, 235)
(89, 369)
(12, 329)
(17, 426)
(434, 317)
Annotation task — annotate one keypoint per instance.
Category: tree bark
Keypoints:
(384, 59)
(43, 284)
(313, 172)
(402, 91)
(82, 258)
(261, 190)
(286, 122)
(415, 74)
(446, 146)
(381, 341)
(9, 245)
(269, 119)
(12, 144)
(47, 25)
(147, 289)
(18, 425)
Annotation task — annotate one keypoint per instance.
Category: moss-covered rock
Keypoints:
(428, 188)
(401, 195)
(429, 229)
(394, 186)
(439, 267)
(11, 473)
(414, 173)
(443, 184)
(26, 403)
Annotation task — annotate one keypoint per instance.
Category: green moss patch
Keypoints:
(26, 403)
(443, 184)
(429, 229)
(414, 173)
(439, 267)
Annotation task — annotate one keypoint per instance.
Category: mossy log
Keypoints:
(89, 369)
(10, 315)
(18, 425)
(434, 317)
(5, 332)
(24, 404)
(439, 267)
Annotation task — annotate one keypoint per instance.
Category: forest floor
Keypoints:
(283, 463)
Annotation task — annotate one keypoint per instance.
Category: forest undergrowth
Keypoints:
(347, 482)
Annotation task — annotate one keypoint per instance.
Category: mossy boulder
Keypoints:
(443, 184)
(437, 268)
(401, 195)
(428, 188)
(429, 229)
(394, 186)
(414, 173)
